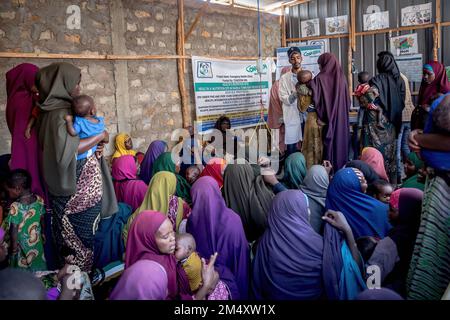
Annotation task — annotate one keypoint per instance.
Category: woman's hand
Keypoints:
(412, 141)
(337, 220)
(209, 275)
(210, 278)
(320, 123)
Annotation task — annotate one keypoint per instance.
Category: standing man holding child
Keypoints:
(288, 95)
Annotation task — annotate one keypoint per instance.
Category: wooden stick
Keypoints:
(438, 22)
(353, 24)
(196, 20)
(186, 117)
(334, 36)
(181, 17)
(445, 24)
(283, 26)
(34, 55)
(349, 62)
(387, 30)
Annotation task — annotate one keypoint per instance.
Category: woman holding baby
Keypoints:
(80, 189)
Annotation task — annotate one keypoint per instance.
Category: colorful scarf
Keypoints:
(217, 228)
(165, 163)
(365, 215)
(375, 159)
(141, 245)
(155, 149)
(121, 150)
(127, 187)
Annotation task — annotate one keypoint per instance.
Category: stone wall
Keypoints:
(153, 109)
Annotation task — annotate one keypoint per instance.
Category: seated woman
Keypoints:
(161, 197)
(144, 280)
(165, 162)
(413, 166)
(215, 169)
(365, 215)
(246, 194)
(124, 146)
(292, 259)
(128, 188)
(294, 171)
(375, 159)
(432, 248)
(217, 228)
(393, 253)
(152, 238)
(155, 149)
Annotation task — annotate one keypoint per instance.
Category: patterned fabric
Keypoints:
(381, 136)
(221, 292)
(409, 106)
(312, 146)
(429, 274)
(193, 268)
(30, 253)
(75, 218)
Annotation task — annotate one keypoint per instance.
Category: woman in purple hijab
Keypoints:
(144, 280)
(22, 93)
(155, 149)
(128, 188)
(332, 102)
(217, 228)
(288, 261)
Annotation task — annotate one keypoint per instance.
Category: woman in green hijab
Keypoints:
(80, 191)
(294, 171)
(165, 163)
(412, 166)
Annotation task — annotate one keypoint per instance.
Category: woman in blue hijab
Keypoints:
(291, 257)
(365, 215)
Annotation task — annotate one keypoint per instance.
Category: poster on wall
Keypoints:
(310, 28)
(336, 25)
(405, 44)
(416, 15)
(411, 66)
(310, 54)
(376, 20)
(317, 42)
(230, 87)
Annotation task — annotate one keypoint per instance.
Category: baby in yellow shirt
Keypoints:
(190, 260)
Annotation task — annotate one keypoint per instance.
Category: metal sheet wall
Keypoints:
(368, 46)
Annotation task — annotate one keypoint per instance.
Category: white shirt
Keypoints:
(291, 115)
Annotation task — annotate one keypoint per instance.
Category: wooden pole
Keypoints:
(437, 31)
(334, 36)
(283, 26)
(196, 20)
(353, 24)
(387, 30)
(185, 112)
(35, 55)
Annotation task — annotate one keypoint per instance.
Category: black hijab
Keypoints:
(391, 88)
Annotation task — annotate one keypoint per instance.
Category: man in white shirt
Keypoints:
(288, 95)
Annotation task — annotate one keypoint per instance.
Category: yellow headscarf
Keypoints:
(162, 186)
(121, 150)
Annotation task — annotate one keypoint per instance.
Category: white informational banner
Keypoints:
(310, 54)
(406, 44)
(411, 66)
(336, 25)
(231, 88)
(416, 15)
(310, 28)
(376, 21)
